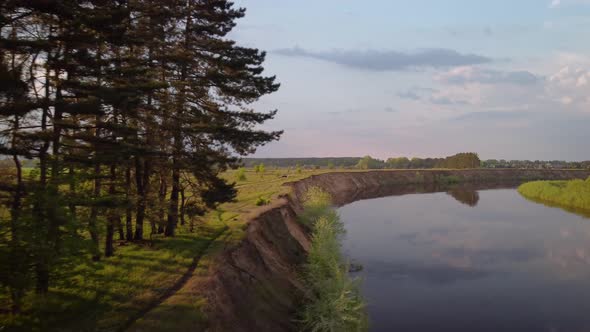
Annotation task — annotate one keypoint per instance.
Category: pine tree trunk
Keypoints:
(108, 249)
(72, 180)
(173, 207)
(46, 142)
(120, 229)
(38, 214)
(16, 292)
(162, 199)
(92, 220)
(142, 175)
(182, 204)
(112, 218)
(52, 236)
(141, 193)
(128, 211)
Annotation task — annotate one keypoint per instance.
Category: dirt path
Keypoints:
(172, 291)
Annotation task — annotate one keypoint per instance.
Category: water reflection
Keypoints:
(578, 211)
(462, 189)
(436, 273)
(494, 262)
(464, 194)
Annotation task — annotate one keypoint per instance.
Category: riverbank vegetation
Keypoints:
(572, 194)
(334, 302)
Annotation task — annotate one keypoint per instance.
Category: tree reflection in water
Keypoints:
(465, 195)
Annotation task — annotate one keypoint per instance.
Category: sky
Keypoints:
(425, 78)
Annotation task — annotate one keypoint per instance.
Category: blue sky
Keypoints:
(507, 79)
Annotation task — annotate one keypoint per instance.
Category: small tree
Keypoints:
(241, 174)
(367, 162)
(193, 210)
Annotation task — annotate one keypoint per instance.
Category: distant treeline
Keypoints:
(536, 164)
(340, 162)
(461, 160)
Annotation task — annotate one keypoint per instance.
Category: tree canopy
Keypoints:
(126, 107)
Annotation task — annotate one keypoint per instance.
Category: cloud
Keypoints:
(570, 86)
(436, 273)
(560, 3)
(469, 74)
(484, 116)
(375, 60)
(433, 96)
(387, 109)
(442, 100)
(417, 93)
(411, 95)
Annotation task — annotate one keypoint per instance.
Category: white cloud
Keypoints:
(567, 88)
(471, 74)
(566, 100)
(570, 86)
(447, 97)
(560, 3)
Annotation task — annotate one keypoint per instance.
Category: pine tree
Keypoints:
(128, 107)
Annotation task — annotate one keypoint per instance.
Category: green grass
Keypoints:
(103, 296)
(334, 302)
(572, 194)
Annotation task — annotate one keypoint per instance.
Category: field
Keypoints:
(118, 292)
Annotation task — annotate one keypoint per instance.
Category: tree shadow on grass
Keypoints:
(104, 295)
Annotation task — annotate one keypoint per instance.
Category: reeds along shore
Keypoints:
(334, 302)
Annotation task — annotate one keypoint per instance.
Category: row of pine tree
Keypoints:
(130, 109)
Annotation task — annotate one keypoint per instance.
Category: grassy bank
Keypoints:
(106, 295)
(334, 302)
(572, 194)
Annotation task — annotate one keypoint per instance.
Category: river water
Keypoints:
(466, 260)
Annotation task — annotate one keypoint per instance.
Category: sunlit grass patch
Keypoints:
(573, 194)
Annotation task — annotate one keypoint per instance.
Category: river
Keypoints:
(467, 260)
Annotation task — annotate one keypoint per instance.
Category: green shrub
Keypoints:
(335, 303)
(241, 174)
(316, 203)
(219, 214)
(262, 201)
(259, 168)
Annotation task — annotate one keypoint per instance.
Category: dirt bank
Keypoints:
(255, 286)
